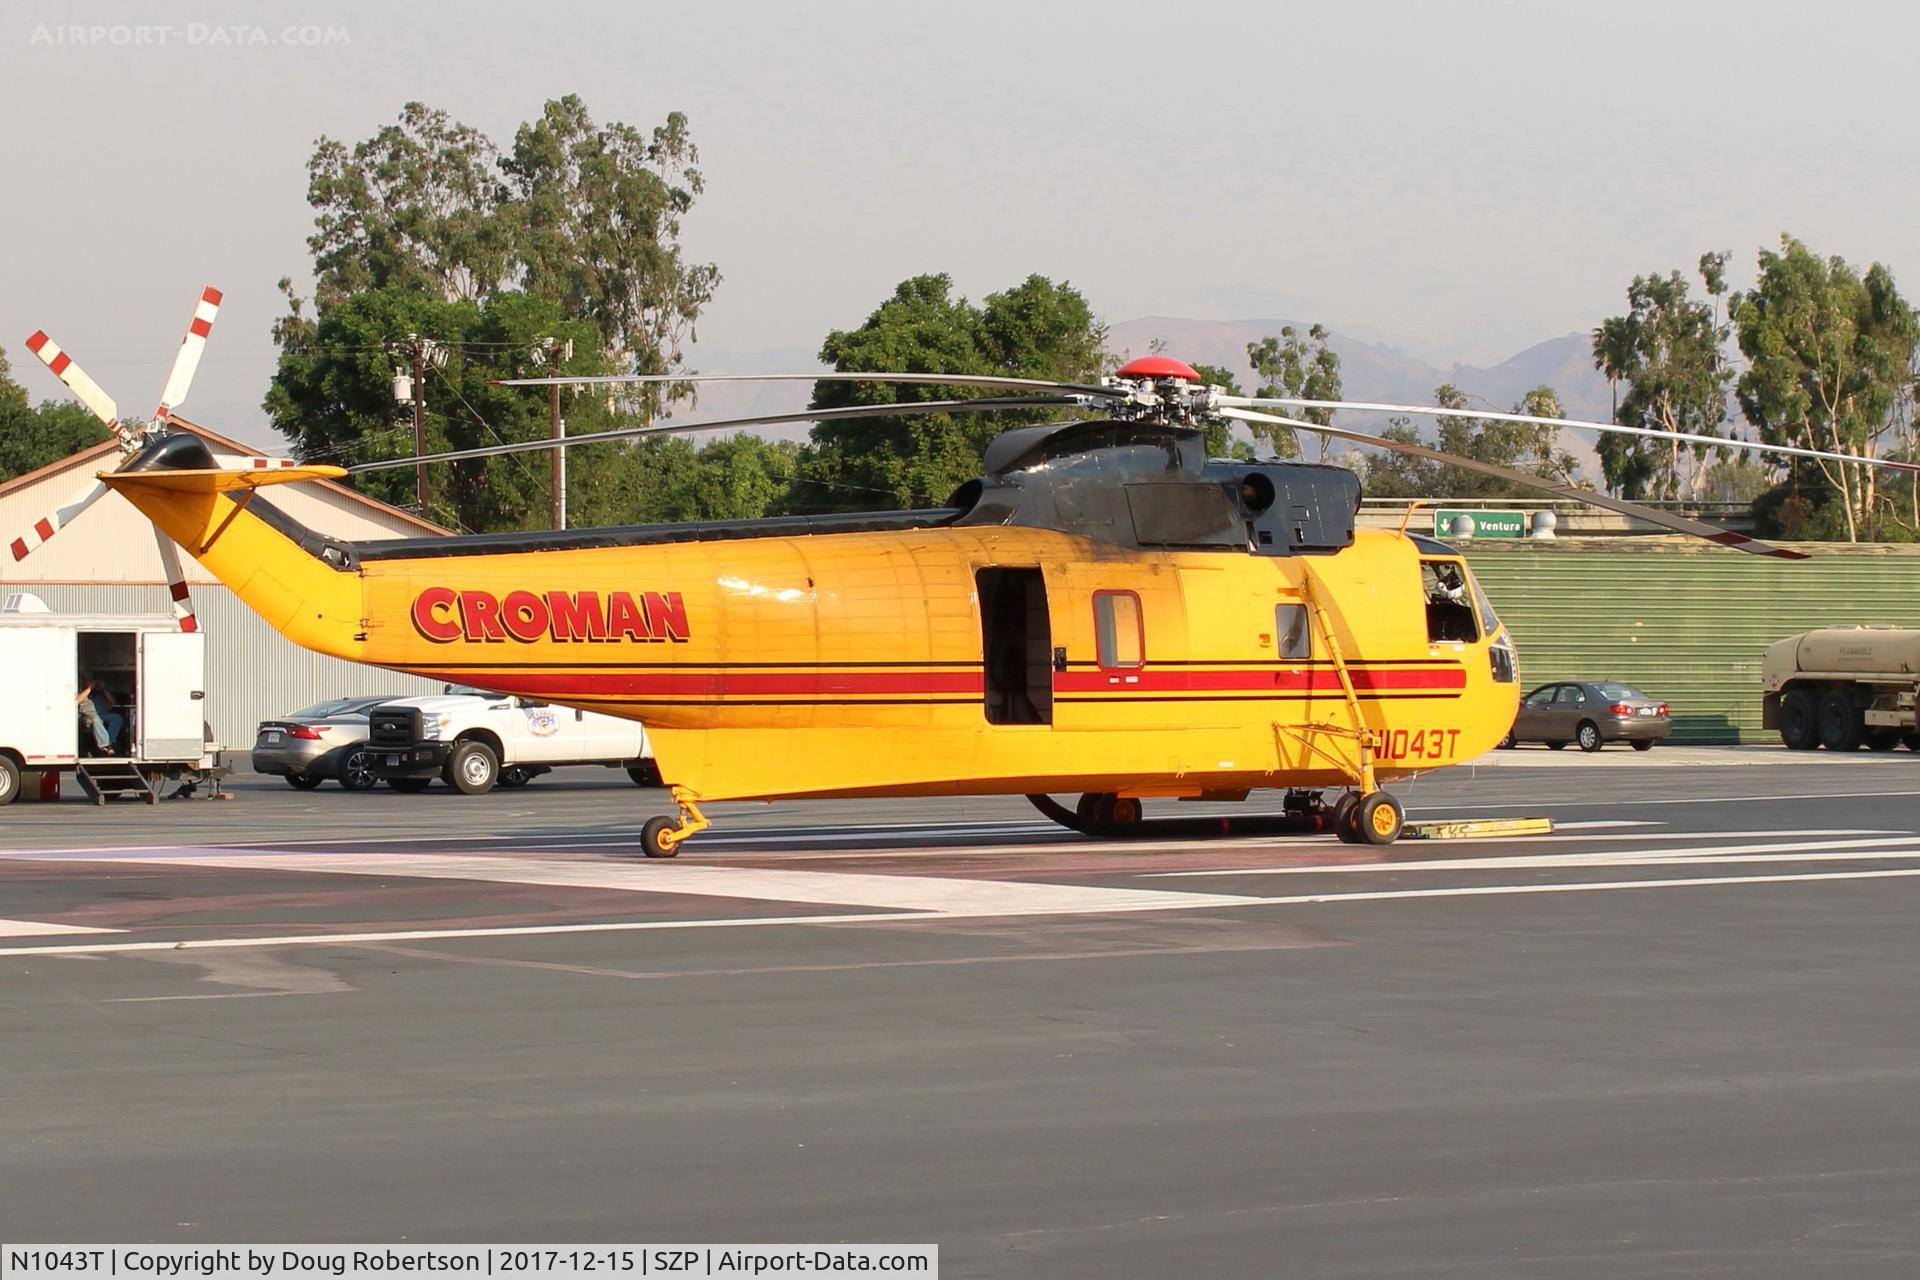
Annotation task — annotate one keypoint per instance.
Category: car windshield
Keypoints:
(1620, 692)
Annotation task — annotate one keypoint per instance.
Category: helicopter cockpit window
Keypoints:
(1118, 633)
(1290, 625)
(1449, 606)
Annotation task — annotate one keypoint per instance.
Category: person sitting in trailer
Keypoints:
(97, 713)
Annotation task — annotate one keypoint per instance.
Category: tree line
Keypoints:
(560, 252)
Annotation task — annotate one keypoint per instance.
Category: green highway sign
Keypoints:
(1482, 524)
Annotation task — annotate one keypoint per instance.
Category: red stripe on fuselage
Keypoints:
(829, 683)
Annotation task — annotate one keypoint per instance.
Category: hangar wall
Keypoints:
(253, 673)
(1685, 622)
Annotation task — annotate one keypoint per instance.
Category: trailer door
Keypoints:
(171, 714)
(37, 714)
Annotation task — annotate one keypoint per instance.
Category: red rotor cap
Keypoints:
(1156, 367)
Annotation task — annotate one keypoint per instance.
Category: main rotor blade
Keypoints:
(84, 388)
(188, 358)
(1724, 442)
(46, 526)
(765, 419)
(1725, 537)
(929, 379)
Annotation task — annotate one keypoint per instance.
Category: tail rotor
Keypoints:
(131, 438)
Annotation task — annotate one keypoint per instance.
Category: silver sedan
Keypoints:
(318, 742)
(1591, 713)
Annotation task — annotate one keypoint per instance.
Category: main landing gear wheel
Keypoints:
(653, 840)
(1340, 818)
(1103, 808)
(1379, 818)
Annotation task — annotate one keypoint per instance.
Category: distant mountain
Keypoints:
(1368, 371)
(1374, 371)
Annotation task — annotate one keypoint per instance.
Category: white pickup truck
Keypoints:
(475, 739)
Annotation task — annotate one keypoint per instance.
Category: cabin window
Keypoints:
(1449, 606)
(1290, 625)
(1119, 634)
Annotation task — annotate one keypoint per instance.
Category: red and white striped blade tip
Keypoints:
(187, 360)
(85, 389)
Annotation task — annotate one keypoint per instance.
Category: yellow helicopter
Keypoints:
(1105, 612)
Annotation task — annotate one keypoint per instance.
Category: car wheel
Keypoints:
(412, 786)
(473, 768)
(1555, 746)
(645, 774)
(1643, 744)
(1509, 742)
(9, 780)
(355, 772)
(303, 781)
(1588, 736)
(1800, 721)
(1841, 725)
(1884, 741)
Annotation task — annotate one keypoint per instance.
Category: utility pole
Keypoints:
(413, 390)
(557, 354)
(419, 421)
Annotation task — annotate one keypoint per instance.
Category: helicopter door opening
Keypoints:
(1016, 644)
(1449, 607)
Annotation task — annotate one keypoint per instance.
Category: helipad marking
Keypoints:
(899, 893)
(39, 929)
(1191, 901)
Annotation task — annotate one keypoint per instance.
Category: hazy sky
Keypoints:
(1461, 179)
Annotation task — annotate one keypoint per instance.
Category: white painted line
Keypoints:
(759, 884)
(37, 929)
(1591, 826)
(1639, 803)
(1797, 851)
(1192, 901)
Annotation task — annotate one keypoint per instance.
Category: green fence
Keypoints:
(1687, 623)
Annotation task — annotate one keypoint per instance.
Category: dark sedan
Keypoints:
(1591, 713)
(318, 742)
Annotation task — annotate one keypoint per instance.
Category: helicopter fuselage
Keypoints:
(1197, 647)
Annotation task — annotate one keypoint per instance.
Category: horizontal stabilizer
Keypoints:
(216, 481)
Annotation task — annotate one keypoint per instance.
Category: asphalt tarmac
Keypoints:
(1679, 1037)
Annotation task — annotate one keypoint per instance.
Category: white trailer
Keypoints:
(155, 672)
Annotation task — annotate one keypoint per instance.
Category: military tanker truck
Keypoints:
(1843, 688)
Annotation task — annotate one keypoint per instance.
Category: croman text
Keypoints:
(444, 615)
